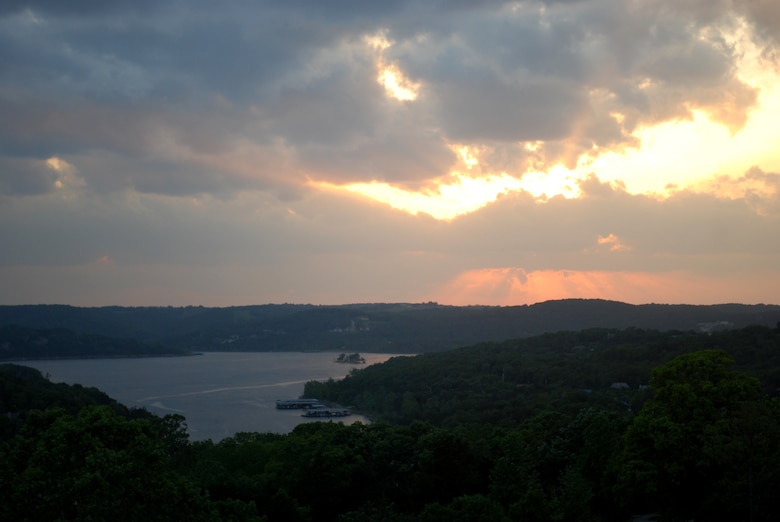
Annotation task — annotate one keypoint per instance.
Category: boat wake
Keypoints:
(160, 406)
(224, 389)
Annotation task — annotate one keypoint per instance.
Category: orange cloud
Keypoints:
(613, 243)
(515, 286)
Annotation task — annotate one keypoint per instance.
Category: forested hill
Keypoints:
(21, 342)
(505, 383)
(533, 429)
(23, 389)
(378, 327)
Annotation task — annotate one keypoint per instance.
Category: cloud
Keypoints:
(117, 80)
(503, 287)
(325, 247)
(184, 142)
(613, 243)
(757, 189)
(683, 232)
(25, 177)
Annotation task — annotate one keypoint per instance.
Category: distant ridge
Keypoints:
(23, 342)
(377, 327)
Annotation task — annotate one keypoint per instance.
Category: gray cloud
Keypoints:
(112, 77)
(515, 231)
(23, 176)
(683, 232)
(188, 135)
(338, 249)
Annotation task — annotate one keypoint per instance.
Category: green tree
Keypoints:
(448, 464)
(94, 466)
(669, 464)
(410, 408)
(746, 446)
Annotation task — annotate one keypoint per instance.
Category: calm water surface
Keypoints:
(220, 394)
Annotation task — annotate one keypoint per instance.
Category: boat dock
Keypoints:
(298, 404)
(327, 413)
(314, 408)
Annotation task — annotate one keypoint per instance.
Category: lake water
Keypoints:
(220, 394)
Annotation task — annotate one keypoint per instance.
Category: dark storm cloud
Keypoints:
(23, 176)
(527, 111)
(765, 15)
(112, 77)
(48, 129)
(405, 160)
(76, 7)
(524, 74)
(181, 53)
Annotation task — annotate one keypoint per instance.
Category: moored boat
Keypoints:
(298, 404)
(327, 412)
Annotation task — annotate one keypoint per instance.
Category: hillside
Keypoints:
(21, 342)
(378, 327)
(506, 383)
(556, 427)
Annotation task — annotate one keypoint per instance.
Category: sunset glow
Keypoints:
(462, 196)
(331, 152)
(397, 85)
(509, 286)
(390, 75)
(671, 156)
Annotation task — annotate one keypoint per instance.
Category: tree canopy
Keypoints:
(680, 447)
(528, 430)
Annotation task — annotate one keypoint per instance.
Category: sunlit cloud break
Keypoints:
(479, 153)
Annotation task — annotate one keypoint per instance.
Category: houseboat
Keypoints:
(327, 413)
(298, 404)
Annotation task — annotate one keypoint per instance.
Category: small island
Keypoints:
(352, 358)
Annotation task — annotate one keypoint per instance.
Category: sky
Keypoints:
(175, 152)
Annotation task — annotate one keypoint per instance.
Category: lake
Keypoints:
(220, 394)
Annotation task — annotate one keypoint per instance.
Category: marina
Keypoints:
(297, 404)
(318, 413)
(315, 408)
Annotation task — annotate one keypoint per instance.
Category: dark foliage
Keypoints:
(20, 342)
(378, 327)
(503, 384)
(493, 432)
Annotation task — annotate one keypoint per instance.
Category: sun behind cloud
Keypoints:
(460, 195)
(397, 85)
(390, 76)
(669, 156)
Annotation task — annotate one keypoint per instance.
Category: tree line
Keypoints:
(20, 342)
(372, 327)
(525, 441)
